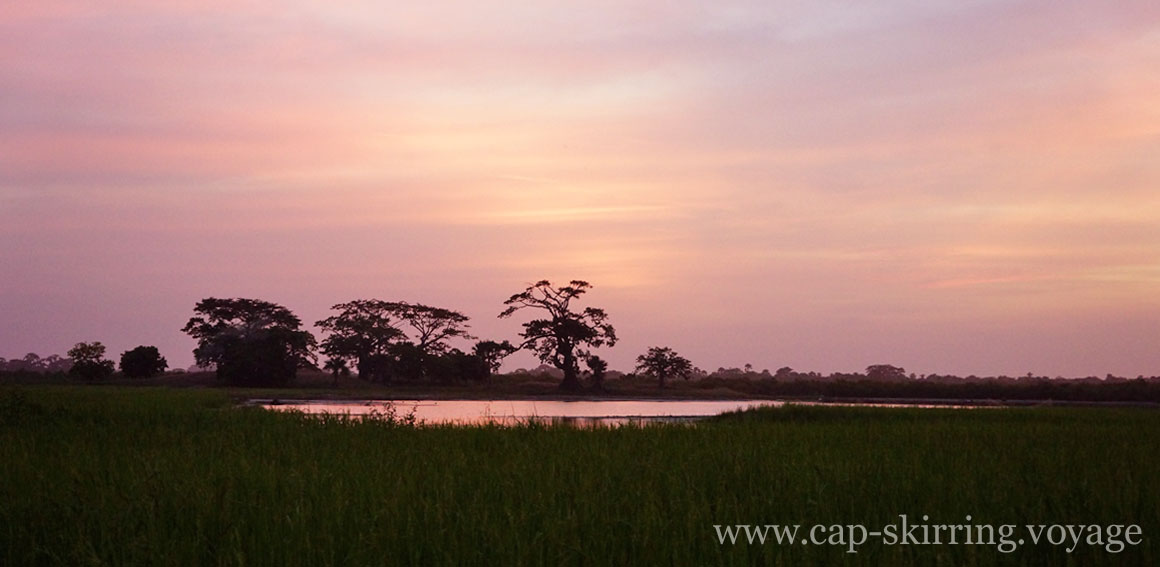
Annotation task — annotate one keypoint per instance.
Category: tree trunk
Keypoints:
(571, 381)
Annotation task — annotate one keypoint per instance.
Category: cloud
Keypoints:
(810, 168)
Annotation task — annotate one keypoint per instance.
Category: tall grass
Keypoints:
(128, 477)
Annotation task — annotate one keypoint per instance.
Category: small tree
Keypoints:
(143, 362)
(493, 353)
(337, 367)
(599, 368)
(562, 338)
(663, 363)
(89, 361)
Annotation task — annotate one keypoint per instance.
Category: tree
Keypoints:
(362, 333)
(456, 365)
(55, 363)
(433, 325)
(142, 362)
(885, 373)
(337, 367)
(563, 338)
(784, 373)
(493, 353)
(250, 341)
(599, 368)
(663, 363)
(369, 332)
(89, 361)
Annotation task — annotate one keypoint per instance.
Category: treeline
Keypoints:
(252, 342)
(934, 387)
(33, 363)
(86, 361)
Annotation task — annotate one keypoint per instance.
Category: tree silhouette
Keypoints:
(493, 353)
(433, 325)
(250, 341)
(560, 339)
(143, 362)
(663, 363)
(370, 333)
(89, 361)
(885, 373)
(599, 368)
(337, 367)
(362, 333)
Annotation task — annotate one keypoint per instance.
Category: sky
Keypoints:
(954, 187)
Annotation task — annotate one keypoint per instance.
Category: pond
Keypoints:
(584, 412)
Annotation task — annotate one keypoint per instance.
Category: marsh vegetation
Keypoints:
(105, 475)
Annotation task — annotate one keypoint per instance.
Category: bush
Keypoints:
(143, 362)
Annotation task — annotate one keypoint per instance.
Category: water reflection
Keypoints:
(510, 412)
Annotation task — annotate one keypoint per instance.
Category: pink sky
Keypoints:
(966, 187)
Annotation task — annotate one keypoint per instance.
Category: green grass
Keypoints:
(95, 476)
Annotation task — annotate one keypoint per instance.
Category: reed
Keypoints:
(110, 476)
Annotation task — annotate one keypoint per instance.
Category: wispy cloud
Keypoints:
(796, 170)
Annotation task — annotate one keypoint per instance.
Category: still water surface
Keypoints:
(610, 412)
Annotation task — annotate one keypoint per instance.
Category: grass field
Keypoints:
(134, 476)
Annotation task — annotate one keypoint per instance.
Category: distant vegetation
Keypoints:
(255, 343)
(663, 363)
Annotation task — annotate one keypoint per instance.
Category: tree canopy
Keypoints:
(663, 363)
(362, 332)
(89, 361)
(564, 337)
(373, 334)
(143, 362)
(250, 341)
(432, 326)
(493, 353)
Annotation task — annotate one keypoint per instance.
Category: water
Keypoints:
(610, 412)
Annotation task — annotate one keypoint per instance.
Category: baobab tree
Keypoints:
(564, 337)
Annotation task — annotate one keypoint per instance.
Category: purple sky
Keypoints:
(952, 187)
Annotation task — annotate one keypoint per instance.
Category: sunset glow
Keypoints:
(951, 187)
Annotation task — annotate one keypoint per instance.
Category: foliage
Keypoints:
(139, 476)
(361, 333)
(143, 362)
(32, 362)
(563, 338)
(885, 373)
(89, 361)
(251, 342)
(337, 367)
(598, 369)
(433, 326)
(368, 332)
(459, 366)
(663, 363)
(493, 353)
